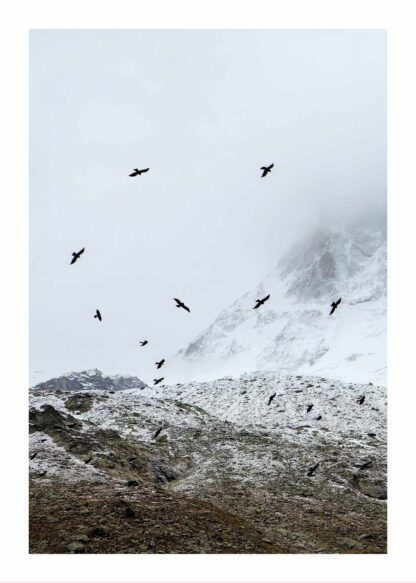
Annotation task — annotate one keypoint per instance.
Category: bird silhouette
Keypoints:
(157, 381)
(160, 363)
(143, 342)
(157, 432)
(271, 398)
(76, 256)
(319, 418)
(261, 302)
(365, 465)
(311, 470)
(180, 304)
(137, 172)
(98, 315)
(266, 170)
(334, 306)
(309, 408)
(361, 399)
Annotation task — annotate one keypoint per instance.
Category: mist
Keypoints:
(204, 109)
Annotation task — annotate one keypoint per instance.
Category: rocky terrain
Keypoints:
(120, 467)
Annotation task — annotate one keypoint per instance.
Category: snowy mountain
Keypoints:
(92, 379)
(293, 332)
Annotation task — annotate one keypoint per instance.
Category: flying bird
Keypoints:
(160, 363)
(137, 172)
(334, 306)
(98, 315)
(311, 470)
(157, 381)
(157, 432)
(261, 302)
(76, 256)
(309, 408)
(266, 170)
(361, 399)
(319, 418)
(180, 304)
(143, 342)
(271, 398)
(365, 465)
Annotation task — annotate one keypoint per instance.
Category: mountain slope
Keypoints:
(209, 467)
(293, 331)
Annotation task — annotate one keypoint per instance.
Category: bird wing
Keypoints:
(266, 298)
(177, 301)
(333, 310)
(144, 170)
(338, 302)
(74, 259)
(264, 171)
(82, 251)
(271, 166)
(186, 308)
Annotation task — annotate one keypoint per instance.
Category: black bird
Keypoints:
(180, 304)
(98, 315)
(361, 399)
(266, 170)
(157, 381)
(365, 465)
(143, 342)
(319, 418)
(271, 398)
(137, 172)
(334, 306)
(160, 363)
(157, 432)
(261, 302)
(309, 408)
(76, 256)
(311, 470)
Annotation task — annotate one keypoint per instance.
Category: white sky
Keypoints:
(204, 110)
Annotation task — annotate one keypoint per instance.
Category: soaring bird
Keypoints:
(157, 381)
(137, 172)
(334, 306)
(98, 315)
(76, 256)
(309, 408)
(261, 302)
(271, 398)
(266, 170)
(361, 399)
(311, 470)
(143, 342)
(160, 363)
(157, 432)
(365, 465)
(180, 304)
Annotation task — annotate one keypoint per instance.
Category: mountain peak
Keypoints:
(293, 332)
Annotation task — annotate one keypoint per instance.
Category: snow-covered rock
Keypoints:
(293, 332)
(92, 379)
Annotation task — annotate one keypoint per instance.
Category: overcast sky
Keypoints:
(204, 110)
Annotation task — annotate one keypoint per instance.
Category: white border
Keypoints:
(17, 17)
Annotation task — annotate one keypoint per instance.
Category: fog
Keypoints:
(204, 110)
